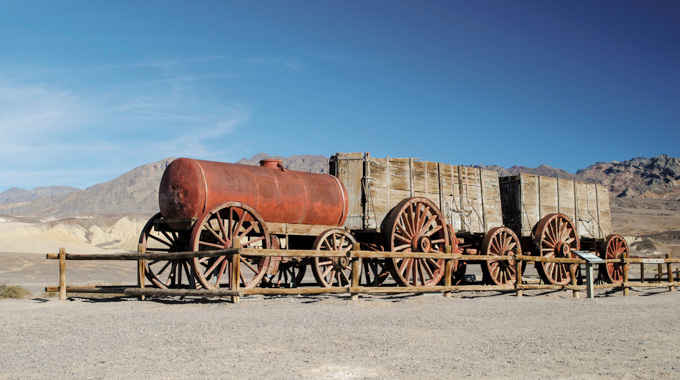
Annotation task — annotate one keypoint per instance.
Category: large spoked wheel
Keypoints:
(164, 274)
(374, 272)
(555, 236)
(416, 225)
(500, 241)
(333, 271)
(217, 229)
(615, 247)
(282, 273)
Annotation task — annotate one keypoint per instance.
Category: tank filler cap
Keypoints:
(273, 164)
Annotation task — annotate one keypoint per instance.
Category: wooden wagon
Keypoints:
(554, 217)
(387, 197)
(385, 204)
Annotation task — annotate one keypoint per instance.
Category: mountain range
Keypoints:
(15, 194)
(136, 192)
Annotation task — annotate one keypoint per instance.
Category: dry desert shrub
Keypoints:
(13, 291)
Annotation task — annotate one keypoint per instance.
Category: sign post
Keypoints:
(590, 259)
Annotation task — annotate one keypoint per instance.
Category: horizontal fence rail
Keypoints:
(354, 289)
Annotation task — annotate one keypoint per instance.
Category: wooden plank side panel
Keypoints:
(399, 174)
(548, 196)
(529, 203)
(604, 211)
(433, 183)
(567, 200)
(584, 218)
(493, 214)
(587, 213)
(379, 173)
(379, 184)
(594, 230)
(451, 196)
(349, 168)
(418, 173)
(426, 181)
(472, 200)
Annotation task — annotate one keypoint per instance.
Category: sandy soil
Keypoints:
(482, 335)
(652, 226)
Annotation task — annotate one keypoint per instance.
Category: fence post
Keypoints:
(141, 270)
(62, 274)
(669, 268)
(235, 280)
(356, 272)
(659, 272)
(518, 279)
(572, 273)
(626, 291)
(448, 268)
(642, 272)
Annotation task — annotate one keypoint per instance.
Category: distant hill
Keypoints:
(543, 170)
(638, 177)
(136, 192)
(304, 163)
(16, 194)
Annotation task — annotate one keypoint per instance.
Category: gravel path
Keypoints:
(480, 335)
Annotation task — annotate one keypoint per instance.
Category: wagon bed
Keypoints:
(469, 198)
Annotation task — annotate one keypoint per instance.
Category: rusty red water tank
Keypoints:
(190, 187)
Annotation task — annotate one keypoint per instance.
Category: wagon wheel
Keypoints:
(166, 273)
(555, 236)
(216, 229)
(416, 225)
(614, 247)
(373, 271)
(333, 271)
(459, 266)
(500, 241)
(282, 274)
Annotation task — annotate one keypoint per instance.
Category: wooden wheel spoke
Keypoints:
(160, 240)
(253, 241)
(344, 275)
(428, 269)
(214, 265)
(402, 247)
(432, 231)
(170, 238)
(215, 234)
(249, 265)
(205, 243)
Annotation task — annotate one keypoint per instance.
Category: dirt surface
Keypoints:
(483, 335)
(492, 336)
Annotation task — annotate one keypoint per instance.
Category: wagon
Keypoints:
(382, 204)
(554, 217)
(396, 203)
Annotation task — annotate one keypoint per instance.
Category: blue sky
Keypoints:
(92, 89)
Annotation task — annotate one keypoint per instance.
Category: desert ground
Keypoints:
(474, 334)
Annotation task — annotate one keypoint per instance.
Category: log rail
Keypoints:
(354, 289)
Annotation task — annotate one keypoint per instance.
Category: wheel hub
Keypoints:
(421, 244)
(562, 249)
(506, 263)
(340, 262)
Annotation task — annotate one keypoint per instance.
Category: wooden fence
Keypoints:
(354, 289)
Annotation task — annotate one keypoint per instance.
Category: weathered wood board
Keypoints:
(469, 198)
(528, 198)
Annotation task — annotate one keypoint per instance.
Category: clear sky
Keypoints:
(92, 89)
